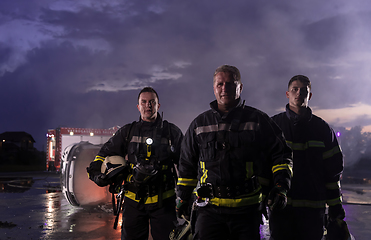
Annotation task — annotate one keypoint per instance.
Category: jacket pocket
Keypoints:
(207, 147)
(243, 145)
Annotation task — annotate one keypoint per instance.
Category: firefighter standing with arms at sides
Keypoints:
(221, 157)
(151, 149)
(318, 165)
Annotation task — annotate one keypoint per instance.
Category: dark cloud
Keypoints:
(83, 64)
(5, 53)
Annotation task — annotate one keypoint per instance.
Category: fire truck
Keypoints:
(60, 138)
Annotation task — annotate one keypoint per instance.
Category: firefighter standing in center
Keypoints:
(318, 165)
(151, 148)
(221, 157)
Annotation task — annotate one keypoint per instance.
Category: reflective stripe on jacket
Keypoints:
(165, 137)
(317, 158)
(228, 150)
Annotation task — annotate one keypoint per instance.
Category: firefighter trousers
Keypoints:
(214, 223)
(296, 223)
(136, 221)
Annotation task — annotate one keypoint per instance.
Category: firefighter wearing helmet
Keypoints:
(151, 149)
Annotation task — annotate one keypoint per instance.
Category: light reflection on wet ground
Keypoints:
(39, 211)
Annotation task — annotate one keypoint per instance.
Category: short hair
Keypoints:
(148, 89)
(232, 70)
(303, 79)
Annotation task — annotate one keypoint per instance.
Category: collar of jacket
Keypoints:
(214, 107)
(156, 123)
(296, 118)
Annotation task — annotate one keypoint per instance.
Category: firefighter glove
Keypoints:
(277, 198)
(100, 180)
(336, 212)
(182, 209)
(337, 229)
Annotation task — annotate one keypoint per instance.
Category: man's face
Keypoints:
(298, 94)
(226, 90)
(148, 106)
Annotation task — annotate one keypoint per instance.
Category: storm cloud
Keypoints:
(82, 64)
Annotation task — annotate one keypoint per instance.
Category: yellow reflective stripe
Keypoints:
(335, 201)
(153, 199)
(187, 182)
(331, 152)
(264, 181)
(306, 203)
(304, 146)
(226, 127)
(236, 202)
(99, 158)
(316, 144)
(204, 170)
(249, 170)
(280, 167)
(129, 178)
(333, 185)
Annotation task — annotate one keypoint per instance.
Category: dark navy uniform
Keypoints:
(152, 200)
(318, 164)
(225, 151)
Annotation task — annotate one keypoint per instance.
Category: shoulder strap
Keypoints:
(129, 134)
(168, 132)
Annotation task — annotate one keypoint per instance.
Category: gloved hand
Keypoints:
(182, 208)
(101, 180)
(336, 212)
(96, 176)
(277, 198)
(337, 229)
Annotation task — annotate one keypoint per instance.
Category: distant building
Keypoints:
(15, 141)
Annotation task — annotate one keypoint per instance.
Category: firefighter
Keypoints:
(151, 148)
(318, 165)
(221, 157)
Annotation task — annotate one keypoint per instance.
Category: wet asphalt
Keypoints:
(38, 210)
(33, 207)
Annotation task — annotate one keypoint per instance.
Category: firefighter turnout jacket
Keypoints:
(152, 151)
(317, 157)
(229, 152)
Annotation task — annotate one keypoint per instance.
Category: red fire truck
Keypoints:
(58, 139)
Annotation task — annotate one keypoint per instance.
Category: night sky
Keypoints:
(82, 63)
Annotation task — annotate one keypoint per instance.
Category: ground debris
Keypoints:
(7, 224)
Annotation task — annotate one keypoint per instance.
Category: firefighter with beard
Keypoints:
(222, 158)
(318, 165)
(151, 148)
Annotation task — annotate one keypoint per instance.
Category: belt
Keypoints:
(209, 191)
(149, 190)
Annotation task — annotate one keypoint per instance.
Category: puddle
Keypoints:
(23, 184)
